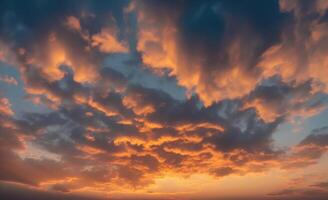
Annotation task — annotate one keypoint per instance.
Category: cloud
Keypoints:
(106, 42)
(5, 107)
(309, 150)
(204, 59)
(273, 98)
(86, 138)
(299, 56)
(9, 80)
(73, 23)
(318, 137)
(16, 192)
(224, 171)
(303, 193)
(208, 60)
(323, 185)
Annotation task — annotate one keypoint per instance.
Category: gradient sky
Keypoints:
(186, 100)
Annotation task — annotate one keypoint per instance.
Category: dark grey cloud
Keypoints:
(29, 21)
(309, 150)
(209, 27)
(223, 171)
(19, 192)
(278, 98)
(317, 137)
(303, 193)
(323, 185)
(149, 161)
(246, 131)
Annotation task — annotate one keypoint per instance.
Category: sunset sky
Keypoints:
(164, 100)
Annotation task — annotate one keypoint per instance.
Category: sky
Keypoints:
(164, 100)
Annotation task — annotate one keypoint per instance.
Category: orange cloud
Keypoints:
(299, 59)
(56, 55)
(5, 107)
(300, 56)
(159, 43)
(135, 101)
(107, 42)
(158, 46)
(73, 23)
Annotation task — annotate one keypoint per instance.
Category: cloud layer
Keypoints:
(103, 79)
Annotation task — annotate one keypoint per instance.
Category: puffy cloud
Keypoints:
(200, 45)
(299, 56)
(274, 98)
